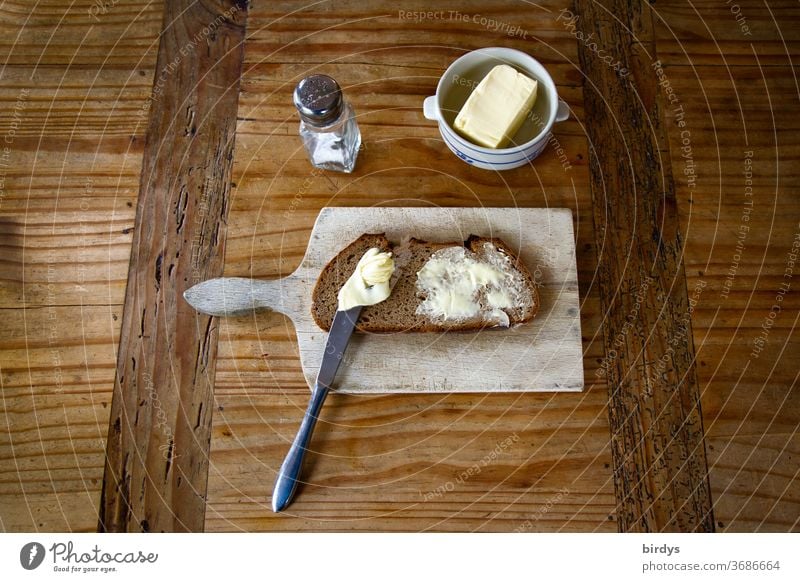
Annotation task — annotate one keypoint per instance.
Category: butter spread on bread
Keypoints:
(511, 301)
(457, 284)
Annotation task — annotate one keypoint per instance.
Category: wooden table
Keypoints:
(163, 160)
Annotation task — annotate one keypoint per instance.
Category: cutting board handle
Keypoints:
(230, 296)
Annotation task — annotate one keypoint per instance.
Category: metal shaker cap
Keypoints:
(319, 100)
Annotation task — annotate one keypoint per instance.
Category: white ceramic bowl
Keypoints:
(483, 157)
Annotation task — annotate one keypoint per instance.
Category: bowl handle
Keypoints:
(429, 108)
(562, 113)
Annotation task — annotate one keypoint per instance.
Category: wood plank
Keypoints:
(83, 33)
(56, 375)
(494, 462)
(69, 182)
(76, 138)
(660, 471)
(80, 109)
(359, 34)
(387, 67)
(748, 177)
(65, 251)
(157, 459)
(392, 172)
(744, 32)
(755, 481)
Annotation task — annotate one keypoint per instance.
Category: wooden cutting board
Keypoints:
(540, 356)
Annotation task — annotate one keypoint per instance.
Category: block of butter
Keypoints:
(497, 107)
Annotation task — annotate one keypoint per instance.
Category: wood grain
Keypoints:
(387, 66)
(744, 32)
(156, 466)
(72, 171)
(750, 403)
(56, 391)
(70, 251)
(84, 33)
(81, 140)
(493, 462)
(660, 470)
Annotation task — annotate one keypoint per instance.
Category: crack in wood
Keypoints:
(159, 260)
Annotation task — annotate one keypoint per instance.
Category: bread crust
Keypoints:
(409, 258)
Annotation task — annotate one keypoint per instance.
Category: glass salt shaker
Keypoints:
(327, 124)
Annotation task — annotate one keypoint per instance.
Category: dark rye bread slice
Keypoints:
(399, 312)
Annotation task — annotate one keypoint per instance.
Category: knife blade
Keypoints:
(344, 322)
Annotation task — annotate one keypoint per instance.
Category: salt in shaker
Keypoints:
(328, 125)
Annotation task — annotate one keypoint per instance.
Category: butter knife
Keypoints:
(338, 337)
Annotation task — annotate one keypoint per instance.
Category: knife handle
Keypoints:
(289, 474)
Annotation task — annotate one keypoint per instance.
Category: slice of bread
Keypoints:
(404, 310)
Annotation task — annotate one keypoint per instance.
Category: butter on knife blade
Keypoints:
(497, 107)
(369, 283)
